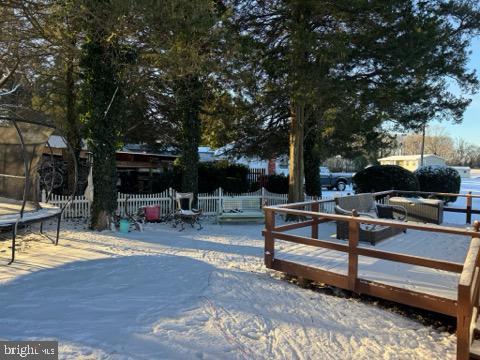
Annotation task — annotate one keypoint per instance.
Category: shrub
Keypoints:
(276, 183)
(168, 179)
(211, 175)
(439, 179)
(234, 178)
(385, 177)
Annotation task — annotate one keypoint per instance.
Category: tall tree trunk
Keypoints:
(72, 129)
(189, 94)
(296, 167)
(312, 160)
(103, 120)
(104, 172)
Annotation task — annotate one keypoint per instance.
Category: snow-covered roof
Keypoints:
(141, 149)
(409, 157)
(58, 142)
(205, 149)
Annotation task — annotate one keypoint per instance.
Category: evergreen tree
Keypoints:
(183, 56)
(354, 66)
(101, 65)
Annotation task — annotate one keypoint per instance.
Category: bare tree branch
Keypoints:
(8, 75)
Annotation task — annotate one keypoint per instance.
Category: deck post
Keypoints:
(315, 208)
(463, 323)
(353, 237)
(269, 240)
(466, 299)
(469, 208)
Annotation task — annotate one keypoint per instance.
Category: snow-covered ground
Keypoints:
(473, 185)
(165, 294)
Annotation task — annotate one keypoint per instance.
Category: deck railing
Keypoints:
(464, 308)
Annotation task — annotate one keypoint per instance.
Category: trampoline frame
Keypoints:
(21, 220)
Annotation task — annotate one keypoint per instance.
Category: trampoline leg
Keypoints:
(58, 230)
(41, 227)
(14, 234)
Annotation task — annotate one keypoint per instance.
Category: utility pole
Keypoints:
(423, 144)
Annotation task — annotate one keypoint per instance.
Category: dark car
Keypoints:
(338, 181)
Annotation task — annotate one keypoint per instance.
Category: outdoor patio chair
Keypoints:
(184, 213)
(366, 206)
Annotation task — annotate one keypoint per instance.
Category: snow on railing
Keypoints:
(209, 203)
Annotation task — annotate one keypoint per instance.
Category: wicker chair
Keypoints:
(366, 206)
(185, 214)
(421, 210)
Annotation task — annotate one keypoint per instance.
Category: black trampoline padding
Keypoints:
(10, 215)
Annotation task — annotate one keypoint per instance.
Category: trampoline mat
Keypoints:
(10, 210)
(13, 207)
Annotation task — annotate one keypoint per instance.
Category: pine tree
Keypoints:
(354, 66)
(182, 53)
(101, 66)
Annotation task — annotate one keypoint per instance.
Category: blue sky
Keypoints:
(469, 129)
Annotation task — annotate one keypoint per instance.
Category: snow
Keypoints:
(433, 245)
(473, 185)
(193, 294)
(45, 211)
(165, 294)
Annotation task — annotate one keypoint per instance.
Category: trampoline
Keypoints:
(23, 137)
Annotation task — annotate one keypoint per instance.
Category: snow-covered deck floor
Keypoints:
(417, 278)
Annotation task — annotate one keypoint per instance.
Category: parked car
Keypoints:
(338, 181)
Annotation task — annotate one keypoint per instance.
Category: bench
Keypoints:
(421, 210)
(240, 209)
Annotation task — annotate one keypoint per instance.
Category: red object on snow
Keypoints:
(152, 213)
(271, 167)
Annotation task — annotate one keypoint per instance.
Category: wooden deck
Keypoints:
(438, 285)
(410, 277)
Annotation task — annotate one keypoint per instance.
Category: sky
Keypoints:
(469, 129)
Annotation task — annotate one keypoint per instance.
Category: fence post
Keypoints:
(44, 196)
(269, 239)
(315, 208)
(220, 200)
(353, 237)
(469, 207)
(262, 200)
(171, 195)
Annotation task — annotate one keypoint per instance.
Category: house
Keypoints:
(413, 162)
(136, 165)
(206, 154)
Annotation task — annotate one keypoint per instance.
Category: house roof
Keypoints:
(58, 142)
(409, 157)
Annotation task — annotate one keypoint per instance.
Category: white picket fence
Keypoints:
(209, 203)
